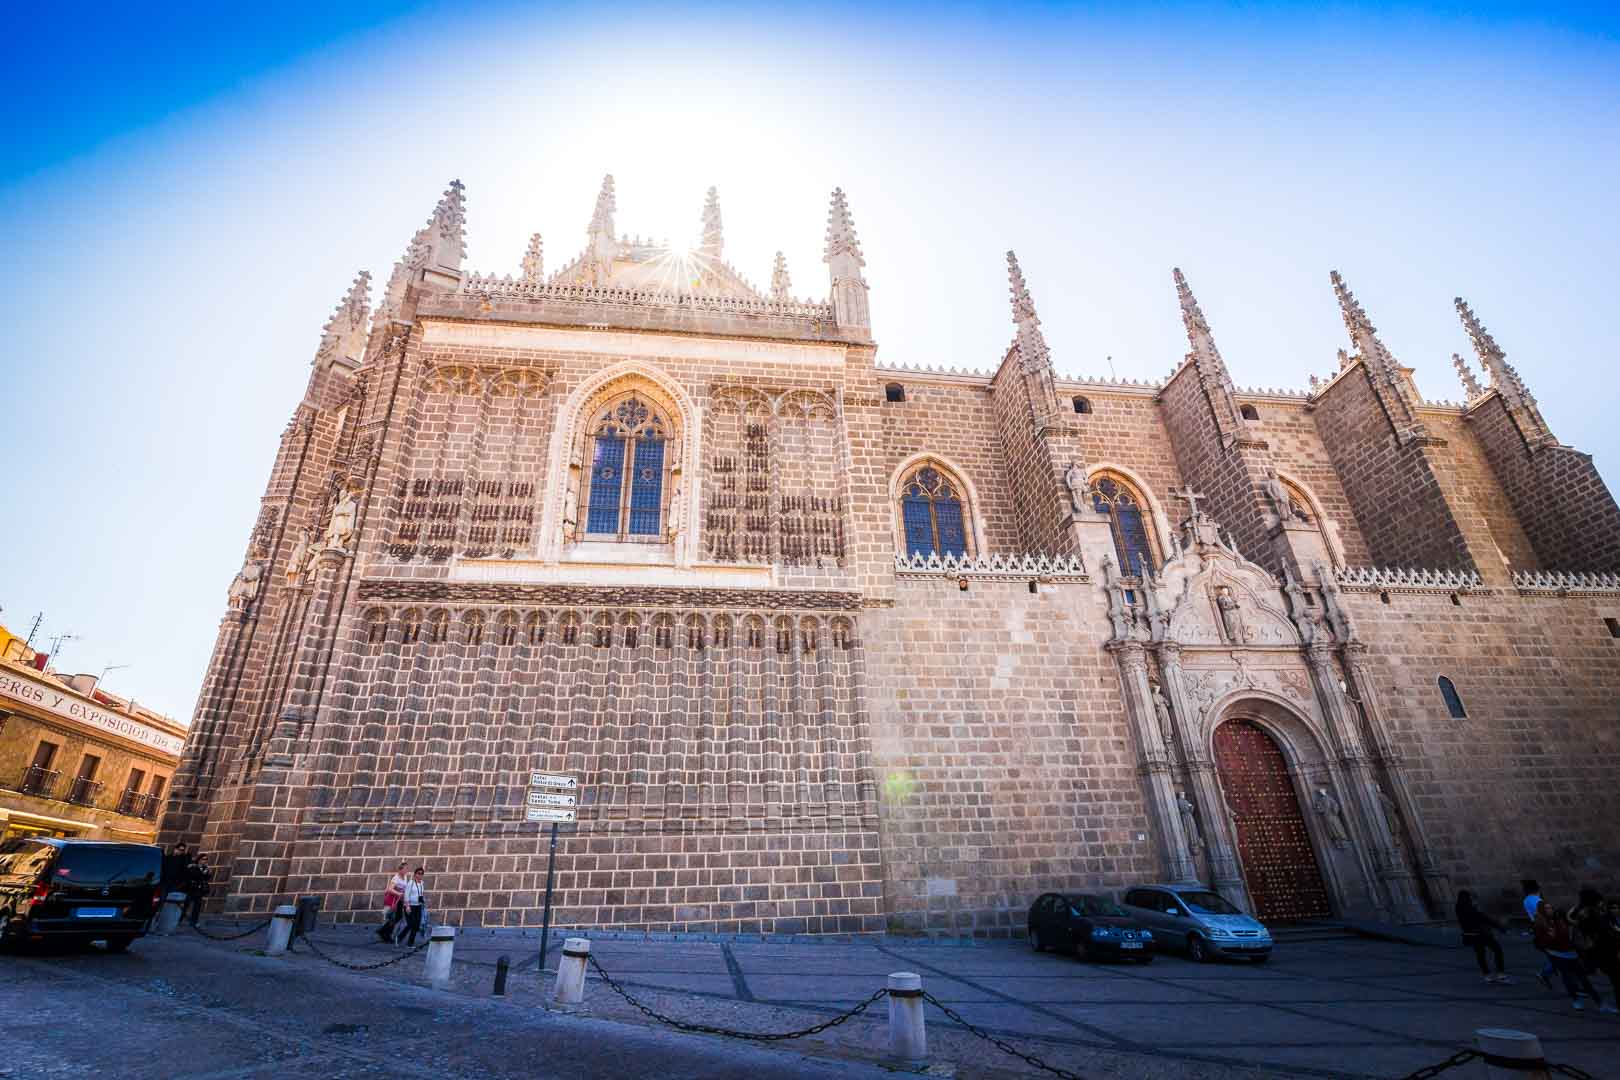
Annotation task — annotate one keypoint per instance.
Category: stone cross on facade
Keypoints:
(1191, 497)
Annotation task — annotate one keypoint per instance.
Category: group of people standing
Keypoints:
(1577, 942)
(183, 872)
(404, 907)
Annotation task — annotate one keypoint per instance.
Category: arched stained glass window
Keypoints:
(931, 511)
(624, 498)
(1454, 703)
(1133, 535)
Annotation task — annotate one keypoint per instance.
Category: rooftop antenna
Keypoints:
(110, 667)
(32, 630)
(1111, 373)
(58, 641)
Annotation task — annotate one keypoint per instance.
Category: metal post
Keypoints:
(501, 966)
(545, 919)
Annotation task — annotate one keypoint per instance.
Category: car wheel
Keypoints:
(1197, 950)
(119, 944)
(1035, 940)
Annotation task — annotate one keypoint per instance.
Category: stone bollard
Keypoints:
(1510, 1053)
(281, 927)
(441, 949)
(908, 1038)
(169, 913)
(570, 988)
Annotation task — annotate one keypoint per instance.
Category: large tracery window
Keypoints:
(626, 449)
(932, 512)
(1133, 535)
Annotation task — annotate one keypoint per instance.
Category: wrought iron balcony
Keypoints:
(137, 804)
(38, 780)
(84, 791)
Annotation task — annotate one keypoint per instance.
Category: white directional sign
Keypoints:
(541, 779)
(549, 813)
(546, 798)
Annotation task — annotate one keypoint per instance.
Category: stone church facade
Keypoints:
(836, 647)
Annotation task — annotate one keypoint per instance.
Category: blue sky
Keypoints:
(187, 194)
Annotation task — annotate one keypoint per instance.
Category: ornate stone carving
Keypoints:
(1075, 478)
(1161, 709)
(299, 558)
(340, 526)
(1231, 615)
(1189, 822)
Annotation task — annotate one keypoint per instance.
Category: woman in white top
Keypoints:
(415, 896)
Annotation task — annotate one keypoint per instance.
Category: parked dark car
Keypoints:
(77, 890)
(1093, 926)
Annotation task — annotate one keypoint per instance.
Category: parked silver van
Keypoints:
(1204, 923)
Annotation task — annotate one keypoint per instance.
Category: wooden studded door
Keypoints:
(1279, 866)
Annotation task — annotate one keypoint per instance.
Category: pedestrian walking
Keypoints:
(1597, 937)
(1532, 904)
(1555, 937)
(199, 879)
(176, 867)
(1479, 931)
(414, 900)
(393, 909)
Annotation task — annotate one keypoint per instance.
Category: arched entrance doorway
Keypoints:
(1279, 865)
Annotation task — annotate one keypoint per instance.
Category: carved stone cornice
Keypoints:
(1131, 655)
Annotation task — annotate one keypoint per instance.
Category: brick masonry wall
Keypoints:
(1524, 787)
(1566, 509)
(1000, 747)
(1297, 452)
(1397, 499)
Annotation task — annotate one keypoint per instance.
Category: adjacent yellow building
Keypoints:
(77, 761)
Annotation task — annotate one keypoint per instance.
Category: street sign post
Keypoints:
(550, 798)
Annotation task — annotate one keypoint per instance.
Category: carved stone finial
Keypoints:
(844, 261)
(781, 283)
(606, 205)
(1504, 378)
(841, 239)
(1389, 380)
(344, 334)
(713, 241)
(534, 261)
(450, 226)
(1033, 354)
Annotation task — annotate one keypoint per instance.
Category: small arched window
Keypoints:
(931, 511)
(376, 626)
(569, 625)
(1454, 703)
(894, 393)
(1116, 500)
(438, 627)
(508, 628)
(1249, 412)
(535, 627)
(411, 627)
(624, 493)
(1082, 405)
(475, 628)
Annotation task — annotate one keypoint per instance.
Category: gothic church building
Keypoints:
(837, 647)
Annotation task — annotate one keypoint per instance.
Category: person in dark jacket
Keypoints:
(1479, 930)
(1597, 937)
(176, 867)
(199, 877)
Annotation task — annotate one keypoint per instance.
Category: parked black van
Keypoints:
(77, 890)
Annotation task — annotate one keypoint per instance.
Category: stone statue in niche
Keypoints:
(1281, 504)
(1116, 601)
(1161, 709)
(245, 586)
(1189, 823)
(345, 512)
(1231, 614)
(677, 514)
(1299, 609)
(1392, 815)
(1079, 489)
(298, 556)
(1327, 808)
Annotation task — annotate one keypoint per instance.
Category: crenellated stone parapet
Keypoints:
(1407, 579)
(1566, 583)
(508, 287)
(1016, 566)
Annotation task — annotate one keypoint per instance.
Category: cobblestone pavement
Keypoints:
(1340, 1008)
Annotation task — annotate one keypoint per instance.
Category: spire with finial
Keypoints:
(450, 228)
(844, 261)
(534, 263)
(1213, 375)
(781, 284)
(712, 239)
(1389, 380)
(436, 250)
(1470, 384)
(606, 205)
(1491, 357)
(344, 335)
(1033, 354)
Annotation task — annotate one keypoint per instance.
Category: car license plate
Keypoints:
(96, 913)
(1130, 944)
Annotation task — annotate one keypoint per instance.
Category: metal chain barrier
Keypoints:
(316, 949)
(229, 937)
(751, 1036)
(1028, 1059)
(1463, 1057)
